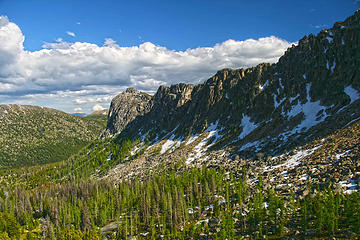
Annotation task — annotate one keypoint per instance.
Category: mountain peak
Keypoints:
(124, 108)
(132, 90)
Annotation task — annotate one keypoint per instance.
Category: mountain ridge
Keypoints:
(261, 112)
(266, 90)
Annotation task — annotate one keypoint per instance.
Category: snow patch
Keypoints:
(281, 85)
(157, 140)
(340, 155)
(293, 161)
(276, 103)
(261, 87)
(310, 110)
(192, 138)
(332, 65)
(202, 221)
(201, 148)
(350, 185)
(293, 98)
(211, 206)
(134, 150)
(144, 234)
(354, 120)
(304, 177)
(247, 127)
(255, 144)
(171, 144)
(352, 93)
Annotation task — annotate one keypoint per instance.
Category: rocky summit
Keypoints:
(270, 115)
(124, 108)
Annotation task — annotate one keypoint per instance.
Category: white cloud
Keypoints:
(11, 49)
(70, 33)
(58, 44)
(78, 110)
(319, 26)
(97, 107)
(109, 42)
(87, 73)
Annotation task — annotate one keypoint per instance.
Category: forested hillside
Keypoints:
(34, 135)
(199, 204)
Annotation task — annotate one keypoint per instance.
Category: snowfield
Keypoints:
(294, 161)
(201, 148)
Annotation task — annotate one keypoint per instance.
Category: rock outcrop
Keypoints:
(124, 108)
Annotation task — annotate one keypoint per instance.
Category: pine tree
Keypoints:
(85, 219)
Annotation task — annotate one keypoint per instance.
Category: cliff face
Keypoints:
(124, 108)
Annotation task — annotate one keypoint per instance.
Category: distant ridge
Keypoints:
(31, 135)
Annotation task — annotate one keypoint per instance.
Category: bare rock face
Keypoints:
(166, 105)
(124, 108)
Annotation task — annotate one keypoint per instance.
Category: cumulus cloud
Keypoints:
(97, 107)
(11, 49)
(81, 73)
(78, 110)
(70, 33)
(319, 26)
(109, 42)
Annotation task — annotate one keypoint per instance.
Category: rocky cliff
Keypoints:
(124, 108)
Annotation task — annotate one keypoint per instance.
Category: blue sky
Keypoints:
(177, 25)
(158, 35)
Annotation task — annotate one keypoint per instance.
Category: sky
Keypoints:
(77, 55)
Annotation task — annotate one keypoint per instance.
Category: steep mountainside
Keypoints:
(30, 135)
(267, 111)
